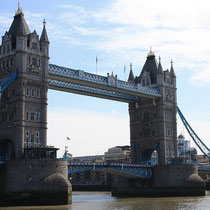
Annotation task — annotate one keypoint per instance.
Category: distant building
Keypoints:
(98, 180)
(184, 149)
(203, 160)
(118, 154)
(193, 154)
(89, 159)
(183, 146)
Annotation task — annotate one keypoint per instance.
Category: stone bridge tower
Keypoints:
(23, 112)
(153, 122)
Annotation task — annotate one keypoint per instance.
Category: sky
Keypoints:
(119, 32)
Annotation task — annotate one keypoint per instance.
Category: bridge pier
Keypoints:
(35, 182)
(167, 180)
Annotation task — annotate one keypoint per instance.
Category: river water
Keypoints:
(104, 201)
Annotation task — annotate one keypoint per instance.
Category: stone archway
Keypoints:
(6, 152)
(150, 156)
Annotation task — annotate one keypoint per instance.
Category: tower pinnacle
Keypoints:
(172, 70)
(160, 69)
(131, 76)
(19, 10)
(44, 22)
(44, 37)
(150, 53)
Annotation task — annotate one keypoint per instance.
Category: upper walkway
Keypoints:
(109, 87)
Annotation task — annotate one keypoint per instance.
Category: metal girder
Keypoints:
(128, 170)
(91, 91)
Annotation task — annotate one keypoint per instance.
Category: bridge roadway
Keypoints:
(123, 169)
(81, 82)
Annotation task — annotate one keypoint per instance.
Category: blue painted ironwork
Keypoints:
(203, 148)
(139, 170)
(7, 81)
(105, 85)
(204, 168)
(92, 90)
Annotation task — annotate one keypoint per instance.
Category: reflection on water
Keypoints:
(104, 201)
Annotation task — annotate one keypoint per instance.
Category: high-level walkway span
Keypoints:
(81, 82)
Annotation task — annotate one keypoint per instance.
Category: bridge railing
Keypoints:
(134, 169)
(109, 164)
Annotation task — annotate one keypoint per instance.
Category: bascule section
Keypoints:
(23, 111)
(153, 121)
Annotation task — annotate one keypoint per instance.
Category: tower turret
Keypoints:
(44, 41)
(149, 72)
(131, 76)
(159, 73)
(172, 73)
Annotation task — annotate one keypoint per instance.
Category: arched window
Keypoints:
(146, 115)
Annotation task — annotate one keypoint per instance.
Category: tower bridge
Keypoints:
(26, 76)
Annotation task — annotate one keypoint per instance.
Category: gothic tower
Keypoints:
(153, 122)
(23, 113)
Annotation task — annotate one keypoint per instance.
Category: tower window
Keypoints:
(34, 61)
(27, 133)
(37, 116)
(146, 133)
(8, 48)
(34, 45)
(38, 93)
(4, 50)
(37, 134)
(146, 115)
(4, 116)
(32, 116)
(27, 116)
(27, 92)
(32, 93)
(140, 134)
(32, 138)
(11, 62)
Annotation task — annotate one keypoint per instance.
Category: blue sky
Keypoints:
(119, 32)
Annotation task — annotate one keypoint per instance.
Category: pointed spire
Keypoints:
(44, 37)
(172, 73)
(150, 53)
(19, 10)
(19, 26)
(131, 76)
(150, 67)
(160, 69)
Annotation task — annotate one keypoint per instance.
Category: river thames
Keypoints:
(104, 201)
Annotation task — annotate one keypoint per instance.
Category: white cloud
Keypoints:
(177, 29)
